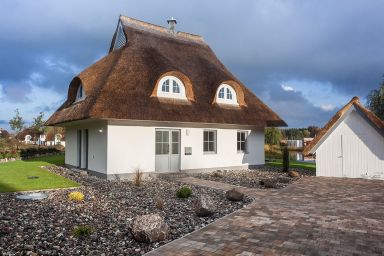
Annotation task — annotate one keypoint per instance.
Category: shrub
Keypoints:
(138, 178)
(32, 151)
(159, 203)
(217, 174)
(184, 192)
(285, 159)
(76, 196)
(82, 231)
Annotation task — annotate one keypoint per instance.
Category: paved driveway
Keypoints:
(314, 216)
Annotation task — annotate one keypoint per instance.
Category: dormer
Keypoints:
(171, 87)
(226, 94)
(120, 38)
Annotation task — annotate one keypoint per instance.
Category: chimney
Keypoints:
(172, 25)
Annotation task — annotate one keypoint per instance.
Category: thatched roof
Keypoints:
(376, 122)
(122, 84)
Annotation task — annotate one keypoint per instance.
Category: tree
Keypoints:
(306, 133)
(313, 130)
(272, 137)
(375, 101)
(17, 122)
(38, 123)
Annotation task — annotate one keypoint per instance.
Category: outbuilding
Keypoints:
(350, 145)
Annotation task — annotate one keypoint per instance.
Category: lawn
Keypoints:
(14, 175)
(294, 164)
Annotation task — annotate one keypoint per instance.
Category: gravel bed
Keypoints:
(251, 178)
(45, 227)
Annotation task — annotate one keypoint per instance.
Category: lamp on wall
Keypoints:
(100, 130)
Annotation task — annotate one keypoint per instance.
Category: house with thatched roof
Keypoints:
(351, 144)
(161, 101)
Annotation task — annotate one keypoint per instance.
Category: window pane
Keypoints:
(205, 146)
(242, 146)
(165, 136)
(229, 94)
(238, 136)
(205, 136)
(175, 148)
(238, 146)
(158, 148)
(221, 93)
(159, 136)
(175, 136)
(243, 136)
(211, 146)
(176, 87)
(165, 86)
(211, 136)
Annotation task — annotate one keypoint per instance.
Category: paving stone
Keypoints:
(314, 216)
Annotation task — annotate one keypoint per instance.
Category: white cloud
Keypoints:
(61, 65)
(1, 91)
(327, 107)
(287, 88)
(39, 99)
(37, 77)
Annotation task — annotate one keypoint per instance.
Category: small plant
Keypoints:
(138, 177)
(159, 203)
(217, 174)
(76, 196)
(82, 231)
(184, 192)
(285, 159)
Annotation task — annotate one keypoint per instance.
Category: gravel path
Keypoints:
(45, 227)
(252, 178)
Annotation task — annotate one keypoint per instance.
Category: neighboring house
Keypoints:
(161, 101)
(28, 136)
(350, 145)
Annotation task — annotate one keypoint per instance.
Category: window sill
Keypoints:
(209, 153)
(242, 152)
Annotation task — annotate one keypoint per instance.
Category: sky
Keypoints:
(305, 59)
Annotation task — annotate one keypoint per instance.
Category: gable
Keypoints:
(353, 118)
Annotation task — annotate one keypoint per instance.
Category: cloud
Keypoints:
(313, 48)
(287, 88)
(327, 107)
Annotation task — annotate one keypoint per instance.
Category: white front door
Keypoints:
(167, 146)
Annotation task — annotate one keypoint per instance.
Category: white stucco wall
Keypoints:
(71, 146)
(353, 149)
(133, 146)
(97, 145)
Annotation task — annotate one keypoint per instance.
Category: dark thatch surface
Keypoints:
(371, 117)
(122, 85)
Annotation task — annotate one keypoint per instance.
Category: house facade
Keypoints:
(350, 145)
(161, 101)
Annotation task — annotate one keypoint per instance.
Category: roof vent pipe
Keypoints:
(172, 25)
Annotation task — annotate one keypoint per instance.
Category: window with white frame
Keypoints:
(80, 95)
(171, 87)
(226, 94)
(242, 141)
(209, 143)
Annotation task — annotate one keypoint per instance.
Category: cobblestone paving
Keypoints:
(314, 216)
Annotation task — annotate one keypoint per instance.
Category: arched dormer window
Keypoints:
(171, 87)
(80, 95)
(226, 95)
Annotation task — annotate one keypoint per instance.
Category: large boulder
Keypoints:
(204, 206)
(149, 228)
(269, 183)
(234, 195)
(293, 174)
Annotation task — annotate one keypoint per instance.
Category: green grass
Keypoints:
(14, 175)
(294, 164)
